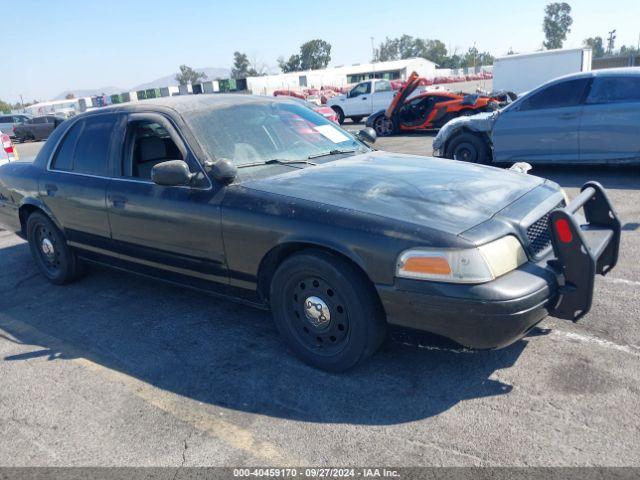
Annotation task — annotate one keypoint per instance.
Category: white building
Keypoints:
(341, 76)
(64, 108)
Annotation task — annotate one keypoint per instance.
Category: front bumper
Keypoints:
(496, 314)
(488, 315)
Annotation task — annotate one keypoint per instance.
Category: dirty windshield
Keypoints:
(256, 133)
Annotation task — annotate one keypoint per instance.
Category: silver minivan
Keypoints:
(9, 121)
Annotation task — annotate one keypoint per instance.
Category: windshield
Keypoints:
(253, 133)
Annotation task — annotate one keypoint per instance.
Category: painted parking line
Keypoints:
(180, 407)
(597, 341)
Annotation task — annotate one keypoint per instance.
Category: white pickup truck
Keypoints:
(362, 100)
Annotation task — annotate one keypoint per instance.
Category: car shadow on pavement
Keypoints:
(224, 354)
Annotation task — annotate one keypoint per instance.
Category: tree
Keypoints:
(291, 65)
(188, 76)
(624, 50)
(387, 50)
(314, 55)
(69, 96)
(595, 43)
(556, 24)
(5, 107)
(240, 65)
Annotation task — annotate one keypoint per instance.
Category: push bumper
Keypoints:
(497, 313)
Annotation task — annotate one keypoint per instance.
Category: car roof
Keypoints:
(189, 103)
(606, 72)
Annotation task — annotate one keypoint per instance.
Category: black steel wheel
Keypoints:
(57, 262)
(326, 310)
(468, 148)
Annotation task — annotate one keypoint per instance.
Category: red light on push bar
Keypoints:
(563, 230)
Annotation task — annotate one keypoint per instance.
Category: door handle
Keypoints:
(364, 98)
(568, 116)
(118, 201)
(50, 189)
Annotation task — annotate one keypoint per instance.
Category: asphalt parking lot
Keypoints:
(121, 370)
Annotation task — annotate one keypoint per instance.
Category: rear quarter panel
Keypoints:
(18, 185)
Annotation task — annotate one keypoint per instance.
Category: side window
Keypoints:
(148, 143)
(564, 94)
(91, 155)
(361, 89)
(39, 120)
(615, 90)
(85, 147)
(63, 159)
(383, 86)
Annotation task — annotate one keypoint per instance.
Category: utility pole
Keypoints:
(611, 41)
(373, 50)
(22, 103)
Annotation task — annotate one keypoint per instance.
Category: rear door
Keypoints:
(543, 127)
(75, 184)
(382, 95)
(610, 129)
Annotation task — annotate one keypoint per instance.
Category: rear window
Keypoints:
(85, 148)
(559, 95)
(4, 119)
(615, 90)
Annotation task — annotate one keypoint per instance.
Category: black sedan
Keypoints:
(264, 201)
(37, 128)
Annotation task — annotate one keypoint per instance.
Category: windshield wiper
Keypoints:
(331, 152)
(275, 161)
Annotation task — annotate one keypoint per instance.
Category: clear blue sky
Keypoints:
(52, 45)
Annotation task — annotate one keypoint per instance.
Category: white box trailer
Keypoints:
(522, 72)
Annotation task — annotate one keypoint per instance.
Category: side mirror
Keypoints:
(367, 135)
(224, 170)
(171, 173)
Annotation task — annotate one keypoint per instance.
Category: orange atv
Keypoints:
(427, 110)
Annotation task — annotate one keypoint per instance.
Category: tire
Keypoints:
(340, 114)
(328, 313)
(383, 126)
(55, 260)
(356, 119)
(468, 148)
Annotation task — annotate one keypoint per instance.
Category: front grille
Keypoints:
(538, 233)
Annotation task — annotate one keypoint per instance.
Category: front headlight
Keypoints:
(473, 265)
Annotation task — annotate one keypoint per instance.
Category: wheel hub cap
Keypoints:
(317, 312)
(47, 247)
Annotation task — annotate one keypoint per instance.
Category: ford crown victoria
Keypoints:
(264, 201)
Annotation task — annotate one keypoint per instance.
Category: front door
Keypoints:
(172, 231)
(543, 127)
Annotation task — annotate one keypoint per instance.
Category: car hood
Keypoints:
(441, 194)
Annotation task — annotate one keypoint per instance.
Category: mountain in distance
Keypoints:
(170, 80)
(89, 92)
